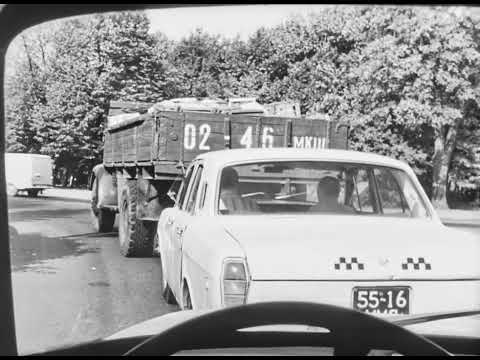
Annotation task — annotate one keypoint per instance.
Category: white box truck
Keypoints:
(28, 172)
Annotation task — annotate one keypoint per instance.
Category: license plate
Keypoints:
(382, 300)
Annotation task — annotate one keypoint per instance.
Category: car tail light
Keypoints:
(234, 282)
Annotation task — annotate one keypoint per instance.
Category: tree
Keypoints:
(302, 58)
(411, 88)
(130, 54)
(465, 166)
(61, 90)
(25, 87)
(69, 124)
(200, 61)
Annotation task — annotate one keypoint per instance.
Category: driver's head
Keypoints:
(229, 178)
(328, 188)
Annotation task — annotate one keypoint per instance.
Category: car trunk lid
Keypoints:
(325, 247)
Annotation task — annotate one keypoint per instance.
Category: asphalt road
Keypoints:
(71, 285)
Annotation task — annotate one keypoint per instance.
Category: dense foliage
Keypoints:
(405, 79)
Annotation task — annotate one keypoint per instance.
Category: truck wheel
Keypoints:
(12, 190)
(104, 220)
(135, 236)
(32, 193)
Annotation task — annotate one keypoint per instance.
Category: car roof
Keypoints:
(237, 155)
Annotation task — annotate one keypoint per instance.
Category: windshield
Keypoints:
(129, 197)
(318, 188)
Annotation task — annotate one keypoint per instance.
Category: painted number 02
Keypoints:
(190, 137)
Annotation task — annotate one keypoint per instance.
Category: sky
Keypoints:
(224, 20)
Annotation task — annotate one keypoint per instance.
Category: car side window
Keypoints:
(201, 202)
(389, 193)
(341, 176)
(362, 195)
(183, 188)
(192, 197)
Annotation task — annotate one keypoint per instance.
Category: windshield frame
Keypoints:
(367, 165)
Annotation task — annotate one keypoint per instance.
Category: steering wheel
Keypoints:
(350, 332)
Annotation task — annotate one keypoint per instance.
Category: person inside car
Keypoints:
(328, 191)
(231, 201)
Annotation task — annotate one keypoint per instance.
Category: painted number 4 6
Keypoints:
(204, 131)
(267, 138)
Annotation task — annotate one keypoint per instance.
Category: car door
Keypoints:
(180, 225)
(169, 225)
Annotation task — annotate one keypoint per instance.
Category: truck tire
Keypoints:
(135, 236)
(103, 220)
(33, 193)
(12, 190)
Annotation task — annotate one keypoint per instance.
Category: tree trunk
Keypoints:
(445, 139)
(29, 58)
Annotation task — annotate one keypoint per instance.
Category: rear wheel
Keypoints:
(33, 193)
(103, 220)
(135, 236)
(12, 190)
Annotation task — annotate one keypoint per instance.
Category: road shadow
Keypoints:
(65, 199)
(45, 197)
(45, 214)
(30, 252)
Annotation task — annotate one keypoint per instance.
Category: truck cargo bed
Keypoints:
(168, 138)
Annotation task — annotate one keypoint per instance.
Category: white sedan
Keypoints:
(338, 227)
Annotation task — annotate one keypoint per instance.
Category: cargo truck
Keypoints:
(147, 148)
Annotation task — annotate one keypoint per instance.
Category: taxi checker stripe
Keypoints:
(348, 264)
(416, 265)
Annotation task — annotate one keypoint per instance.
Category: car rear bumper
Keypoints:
(425, 296)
